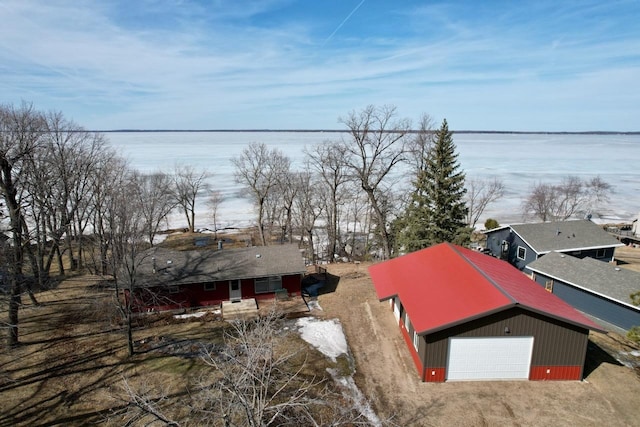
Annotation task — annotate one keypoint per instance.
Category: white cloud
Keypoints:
(216, 65)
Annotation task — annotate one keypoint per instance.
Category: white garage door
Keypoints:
(495, 358)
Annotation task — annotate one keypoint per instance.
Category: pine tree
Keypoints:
(436, 212)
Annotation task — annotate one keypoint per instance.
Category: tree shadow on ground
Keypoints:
(71, 354)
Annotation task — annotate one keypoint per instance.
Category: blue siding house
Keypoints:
(599, 289)
(521, 244)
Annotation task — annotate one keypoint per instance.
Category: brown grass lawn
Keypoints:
(72, 363)
(70, 366)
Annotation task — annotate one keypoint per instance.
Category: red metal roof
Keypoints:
(446, 285)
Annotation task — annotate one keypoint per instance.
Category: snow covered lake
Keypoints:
(520, 160)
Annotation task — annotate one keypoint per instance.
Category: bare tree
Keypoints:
(144, 405)
(155, 196)
(110, 173)
(289, 188)
(58, 183)
(21, 131)
(376, 146)
(126, 230)
(257, 379)
(262, 382)
(480, 194)
(358, 224)
(214, 201)
(420, 143)
(328, 160)
(259, 168)
(308, 208)
(187, 184)
(572, 196)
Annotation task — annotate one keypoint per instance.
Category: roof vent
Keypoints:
(561, 256)
(617, 269)
(169, 262)
(258, 256)
(557, 231)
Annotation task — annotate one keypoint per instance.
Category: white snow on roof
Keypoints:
(325, 335)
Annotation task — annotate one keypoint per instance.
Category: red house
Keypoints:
(468, 316)
(168, 279)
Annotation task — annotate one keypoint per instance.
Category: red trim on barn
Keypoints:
(542, 373)
(412, 350)
(435, 375)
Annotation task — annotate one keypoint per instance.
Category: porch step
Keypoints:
(242, 309)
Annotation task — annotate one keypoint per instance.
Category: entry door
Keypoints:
(235, 290)
(491, 358)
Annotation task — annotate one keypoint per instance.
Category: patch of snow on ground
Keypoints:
(196, 314)
(325, 335)
(360, 402)
(314, 305)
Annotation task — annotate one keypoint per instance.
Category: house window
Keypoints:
(209, 286)
(268, 284)
(522, 252)
(600, 253)
(174, 289)
(415, 340)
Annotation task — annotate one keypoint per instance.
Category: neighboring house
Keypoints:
(468, 316)
(168, 279)
(520, 244)
(599, 289)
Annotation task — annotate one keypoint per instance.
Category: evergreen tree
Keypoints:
(436, 212)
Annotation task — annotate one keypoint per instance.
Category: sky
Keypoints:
(284, 64)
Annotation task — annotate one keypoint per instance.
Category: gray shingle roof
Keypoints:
(562, 236)
(600, 277)
(183, 267)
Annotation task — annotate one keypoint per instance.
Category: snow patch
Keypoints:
(314, 305)
(195, 315)
(325, 335)
(351, 390)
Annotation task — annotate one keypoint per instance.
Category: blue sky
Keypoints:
(283, 64)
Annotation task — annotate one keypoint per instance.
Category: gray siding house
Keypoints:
(521, 244)
(599, 289)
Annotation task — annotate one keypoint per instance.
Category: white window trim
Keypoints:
(416, 340)
(524, 256)
(274, 283)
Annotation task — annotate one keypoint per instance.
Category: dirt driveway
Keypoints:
(610, 396)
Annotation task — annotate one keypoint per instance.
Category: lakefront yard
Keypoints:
(72, 367)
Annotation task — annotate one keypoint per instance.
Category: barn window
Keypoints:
(415, 340)
(522, 252)
(407, 322)
(174, 289)
(268, 284)
(600, 253)
(209, 286)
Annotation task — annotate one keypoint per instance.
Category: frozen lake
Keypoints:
(519, 160)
